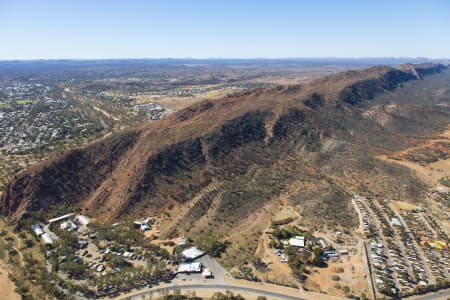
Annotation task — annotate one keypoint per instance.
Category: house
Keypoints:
(182, 242)
(322, 243)
(194, 267)
(82, 220)
(396, 222)
(143, 225)
(192, 253)
(68, 226)
(298, 241)
(47, 239)
(37, 229)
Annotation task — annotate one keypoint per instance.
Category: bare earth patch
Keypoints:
(7, 287)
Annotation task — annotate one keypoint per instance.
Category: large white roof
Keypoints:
(47, 239)
(60, 218)
(37, 229)
(83, 220)
(190, 267)
(298, 241)
(192, 253)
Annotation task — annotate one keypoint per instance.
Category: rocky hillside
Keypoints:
(217, 164)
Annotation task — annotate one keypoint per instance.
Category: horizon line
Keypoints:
(230, 58)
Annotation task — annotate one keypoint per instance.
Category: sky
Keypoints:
(85, 29)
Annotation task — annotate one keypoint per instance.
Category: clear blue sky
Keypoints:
(229, 28)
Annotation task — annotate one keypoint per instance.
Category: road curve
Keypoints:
(233, 288)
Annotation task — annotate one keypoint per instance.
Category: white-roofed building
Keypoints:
(83, 220)
(194, 267)
(68, 226)
(182, 242)
(143, 225)
(192, 253)
(37, 229)
(60, 218)
(396, 222)
(298, 241)
(47, 239)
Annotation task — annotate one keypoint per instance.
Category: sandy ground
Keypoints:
(7, 287)
(351, 273)
(279, 272)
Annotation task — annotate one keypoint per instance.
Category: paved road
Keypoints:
(234, 288)
(435, 296)
(220, 274)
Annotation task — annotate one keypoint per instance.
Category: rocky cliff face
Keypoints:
(67, 179)
(220, 162)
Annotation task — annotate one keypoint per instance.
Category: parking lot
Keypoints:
(401, 261)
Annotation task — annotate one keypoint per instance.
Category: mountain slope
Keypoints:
(216, 164)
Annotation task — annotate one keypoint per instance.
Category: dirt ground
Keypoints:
(350, 272)
(278, 272)
(7, 287)
(430, 173)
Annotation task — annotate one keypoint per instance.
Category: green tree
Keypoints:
(211, 244)
(318, 260)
